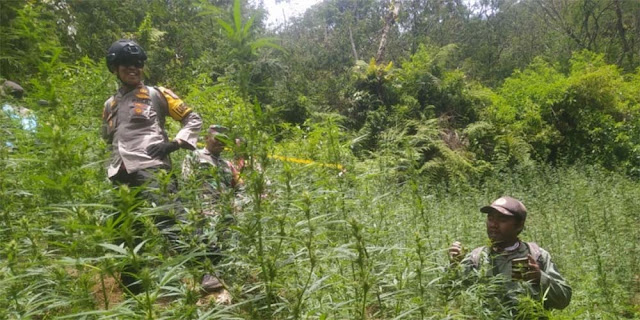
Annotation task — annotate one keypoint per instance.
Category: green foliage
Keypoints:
(551, 116)
(243, 69)
(421, 75)
(425, 148)
(359, 174)
(28, 39)
(370, 100)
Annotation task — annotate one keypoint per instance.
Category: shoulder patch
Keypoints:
(177, 108)
(181, 110)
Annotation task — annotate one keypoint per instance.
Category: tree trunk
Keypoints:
(390, 19)
(353, 46)
(623, 36)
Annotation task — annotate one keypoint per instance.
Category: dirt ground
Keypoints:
(115, 295)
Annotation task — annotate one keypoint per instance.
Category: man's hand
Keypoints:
(162, 149)
(455, 252)
(532, 271)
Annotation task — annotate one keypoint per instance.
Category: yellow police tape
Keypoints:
(295, 160)
(307, 161)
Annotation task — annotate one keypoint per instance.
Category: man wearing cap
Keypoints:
(216, 181)
(513, 260)
(220, 175)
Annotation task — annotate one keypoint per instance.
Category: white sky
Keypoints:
(291, 8)
(294, 8)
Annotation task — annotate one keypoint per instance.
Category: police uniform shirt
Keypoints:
(134, 120)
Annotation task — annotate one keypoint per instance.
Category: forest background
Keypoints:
(412, 114)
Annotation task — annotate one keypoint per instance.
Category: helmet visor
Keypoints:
(127, 62)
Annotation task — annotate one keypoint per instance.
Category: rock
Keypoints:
(13, 89)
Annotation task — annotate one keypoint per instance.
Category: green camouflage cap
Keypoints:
(216, 130)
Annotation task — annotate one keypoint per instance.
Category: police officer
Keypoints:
(513, 260)
(133, 123)
(134, 119)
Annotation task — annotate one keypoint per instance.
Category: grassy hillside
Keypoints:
(311, 242)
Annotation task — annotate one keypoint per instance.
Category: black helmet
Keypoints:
(124, 50)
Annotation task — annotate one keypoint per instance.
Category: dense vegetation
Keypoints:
(413, 114)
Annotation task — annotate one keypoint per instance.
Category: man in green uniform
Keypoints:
(220, 177)
(513, 260)
(216, 180)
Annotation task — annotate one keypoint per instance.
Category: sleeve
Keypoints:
(179, 111)
(467, 264)
(105, 132)
(553, 286)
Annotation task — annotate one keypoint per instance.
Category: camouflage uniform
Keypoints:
(215, 174)
(490, 263)
(214, 186)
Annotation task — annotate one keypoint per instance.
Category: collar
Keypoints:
(509, 249)
(124, 89)
(513, 247)
(206, 152)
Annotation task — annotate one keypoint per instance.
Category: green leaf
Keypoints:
(265, 42)
(227, 27)
(115, 248)
(237, 15)
(208, 9)
(139, 246)
(247, 27)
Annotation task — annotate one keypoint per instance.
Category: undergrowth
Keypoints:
(335, 238)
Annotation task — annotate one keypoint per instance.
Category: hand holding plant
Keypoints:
(456, 252)
(529, 271)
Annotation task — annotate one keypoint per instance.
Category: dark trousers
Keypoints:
(156, 189)
(161, 191)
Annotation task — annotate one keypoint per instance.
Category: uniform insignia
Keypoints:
(142, 96)
(181, 109)
(143, 90)
(143, 101)
(137, 111)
